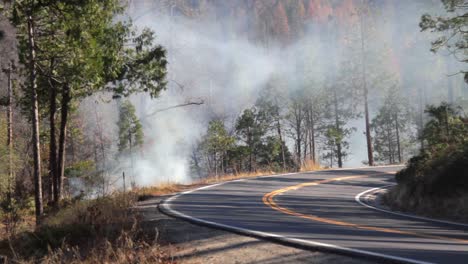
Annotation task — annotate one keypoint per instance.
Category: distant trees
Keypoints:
(390, 127)
(216, 144)
(281, 25)
(130, 128)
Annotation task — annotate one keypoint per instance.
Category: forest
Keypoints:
(101, 100)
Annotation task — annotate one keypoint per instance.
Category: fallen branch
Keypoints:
(176, 106)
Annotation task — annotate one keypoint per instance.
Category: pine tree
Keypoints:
(453, 28)
(390, 126)
(130, 129)
(216, 143)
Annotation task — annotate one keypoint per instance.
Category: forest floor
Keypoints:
(188, 243)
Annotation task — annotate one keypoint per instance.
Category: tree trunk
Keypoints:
(370, 151)
(397, 129)
(62, 140)
(35, 123)
(312, 137)
(278, 127)
(370, 155)
(390, 149)
(298, 138)
(53, 183)
(250, 144)
(10, 129)
(305, 136)
(421, 118)
(337, 127)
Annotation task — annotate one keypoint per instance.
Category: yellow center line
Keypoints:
(268, 199)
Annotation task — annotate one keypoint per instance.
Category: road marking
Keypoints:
(166, 207)
(268, 199)
(360, 195)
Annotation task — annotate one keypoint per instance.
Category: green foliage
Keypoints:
(446, 127)
(452, 28)
(440, 169)
(390, 127)
(83, 48)
(217, 139)
(130, 129)
(334, 136)
(144, 67)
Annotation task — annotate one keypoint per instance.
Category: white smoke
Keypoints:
(214, 63)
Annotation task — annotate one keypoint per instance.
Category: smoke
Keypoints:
(210, 59)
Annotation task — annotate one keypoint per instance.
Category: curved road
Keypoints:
(318, 210)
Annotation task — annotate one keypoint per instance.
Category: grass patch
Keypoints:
(94, 231)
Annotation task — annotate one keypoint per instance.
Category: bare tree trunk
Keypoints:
(337, 127)
(62, 140)
(103, 152)
(298, 137)
(10, 129)
(370, 151)
(250, 150)
(305, 136)
(35, 123)
(397, 129)
(390, 149)
(312, 136)
(278, 127)
(52, 144)
(421, 118)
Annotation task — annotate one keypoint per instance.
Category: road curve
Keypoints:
(318, 210)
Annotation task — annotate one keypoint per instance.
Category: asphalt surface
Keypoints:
(321, 211)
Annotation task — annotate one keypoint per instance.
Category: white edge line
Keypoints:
(358, 199)
(166, 205)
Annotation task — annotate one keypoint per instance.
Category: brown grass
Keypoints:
(448, 208)
(124, 250)
(310, 165)
(170, 188)
(95, 231)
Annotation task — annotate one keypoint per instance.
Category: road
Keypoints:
(318, 210)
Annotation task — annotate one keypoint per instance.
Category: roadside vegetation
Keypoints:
(435, 182)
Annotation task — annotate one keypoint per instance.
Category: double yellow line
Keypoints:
(268, 199)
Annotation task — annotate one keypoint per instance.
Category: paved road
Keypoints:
(319, 210)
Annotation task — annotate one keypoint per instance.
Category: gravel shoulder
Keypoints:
(189, 243)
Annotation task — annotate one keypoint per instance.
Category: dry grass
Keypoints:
(230, 177)
(95, 231)
(170, 188)
(310, 165)
(101, 211)
(126, 249)
(449, 208)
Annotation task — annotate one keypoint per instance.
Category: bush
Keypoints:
(439, 174)
(435, 182)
